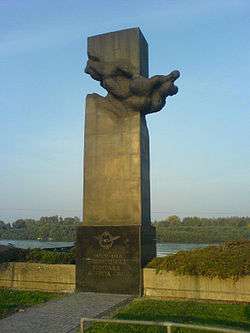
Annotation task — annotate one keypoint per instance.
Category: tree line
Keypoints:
(172, 229)
(202, 230)
(53, 228)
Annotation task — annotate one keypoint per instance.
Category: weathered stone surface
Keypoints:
(109, 259)
(116, 154)
(169, 285)
(116, 163)
(127, 45)
(128, 90)
(111, 254)
(36, 276)
(116, 167)
(119, 61)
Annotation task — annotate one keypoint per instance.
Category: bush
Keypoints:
(229, 260)
(8, 254)
(50, 257)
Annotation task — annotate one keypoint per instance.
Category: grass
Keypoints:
(229, 260)
(191, 312)
(14, 300)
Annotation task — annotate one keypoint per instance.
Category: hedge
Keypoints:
(8, 254)
(229, 260)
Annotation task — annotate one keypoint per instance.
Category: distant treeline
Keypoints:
(46, 228)
(172, 229)
(202, 230)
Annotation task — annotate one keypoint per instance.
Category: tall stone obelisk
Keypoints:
(117, 239)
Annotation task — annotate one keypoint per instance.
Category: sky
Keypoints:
(200, 142)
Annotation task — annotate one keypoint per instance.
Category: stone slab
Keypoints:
(109, 259)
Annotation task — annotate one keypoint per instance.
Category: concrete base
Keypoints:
(36, 276)
(110, 258)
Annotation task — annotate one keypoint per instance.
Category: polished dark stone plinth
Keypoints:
(110, 258)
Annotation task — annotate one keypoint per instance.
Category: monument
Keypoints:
(117, 239)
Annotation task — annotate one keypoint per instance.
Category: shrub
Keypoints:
(50, 257)
(8, 254)
(229, 260)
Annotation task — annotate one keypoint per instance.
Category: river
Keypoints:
(163, 249)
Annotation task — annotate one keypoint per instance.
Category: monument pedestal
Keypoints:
(110, 258)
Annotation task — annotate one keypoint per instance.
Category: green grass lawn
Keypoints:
(190, 312)
(14, 300)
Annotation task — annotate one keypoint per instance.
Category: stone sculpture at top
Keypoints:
(132, 91)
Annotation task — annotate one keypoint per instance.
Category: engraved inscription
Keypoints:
(107, 262)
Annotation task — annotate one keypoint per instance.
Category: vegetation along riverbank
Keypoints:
(228, 260)
(169, 230)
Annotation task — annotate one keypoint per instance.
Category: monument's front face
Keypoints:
(117, 238)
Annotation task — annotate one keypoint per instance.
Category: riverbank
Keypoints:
(169, 230)
(163, 249)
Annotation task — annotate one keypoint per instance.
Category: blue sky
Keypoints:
(200, 142)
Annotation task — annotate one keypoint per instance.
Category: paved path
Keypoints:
(63, 315)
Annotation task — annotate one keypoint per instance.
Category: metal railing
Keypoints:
(168, 325)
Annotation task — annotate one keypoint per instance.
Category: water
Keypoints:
(34, 244)
(163, 249)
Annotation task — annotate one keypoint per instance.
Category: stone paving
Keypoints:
(63, 315)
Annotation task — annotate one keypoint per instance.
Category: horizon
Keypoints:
(199, 142)
(163, 218)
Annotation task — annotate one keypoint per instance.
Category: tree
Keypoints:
(18, 224)
(174, 219)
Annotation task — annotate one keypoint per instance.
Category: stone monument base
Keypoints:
(110, 258)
